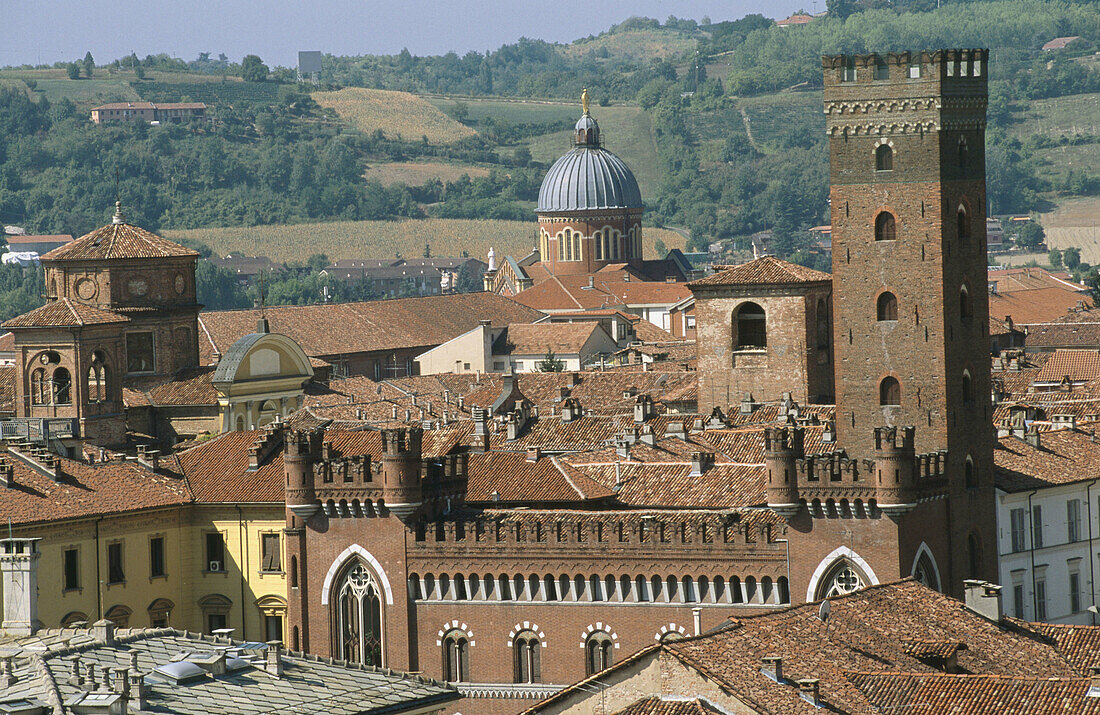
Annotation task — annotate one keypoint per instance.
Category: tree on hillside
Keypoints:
(1071, 257)
(840, 8)
(253, 69)
(1055, 258)
(1031, 235)
(139, 71)
(89, 65)
(72, 70)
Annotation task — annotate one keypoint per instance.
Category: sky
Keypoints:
(48, 31)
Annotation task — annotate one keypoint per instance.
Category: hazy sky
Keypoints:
(46, 31)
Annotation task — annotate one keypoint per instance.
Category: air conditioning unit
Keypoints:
(215, 565)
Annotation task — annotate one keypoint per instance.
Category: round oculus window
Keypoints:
(85, 289)
(181, 283)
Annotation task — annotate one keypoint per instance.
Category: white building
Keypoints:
(1048, 524)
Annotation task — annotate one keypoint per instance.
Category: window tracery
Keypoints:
(359, 617)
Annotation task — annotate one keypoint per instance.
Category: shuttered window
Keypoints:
(271, 557)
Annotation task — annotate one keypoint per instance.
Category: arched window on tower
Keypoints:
(597, 652)
(885, 227)
(456, 657)
(62, 387)
(884, 158)
(752, 327)
(889, 391)
(964, 154)
(887, 306)
(966, 308)
(39, 394)
(359, 616)
(967, 388)
(963, 224)
(97, 378)
(527, 652)
(974, 552)
(970, 475)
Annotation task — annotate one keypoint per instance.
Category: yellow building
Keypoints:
(181, 541)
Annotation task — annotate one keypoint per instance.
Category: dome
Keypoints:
(588, 177)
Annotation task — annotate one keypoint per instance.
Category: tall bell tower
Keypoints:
(907, 156)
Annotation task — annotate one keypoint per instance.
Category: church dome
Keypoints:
(588, 177)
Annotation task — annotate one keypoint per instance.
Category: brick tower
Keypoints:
(906, 149)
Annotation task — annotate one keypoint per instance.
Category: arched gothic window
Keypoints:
(967, 387)
(359, 617)
(527, 649)
(97, 378)
(965, 306)
(925, 572)
(885, 227)
(889, 391)
(887, 306)
(970, 477)
(597, 652)
(964, 225)
(843, 578)
(974, 549)
(884, 158)
(752, 328)
(456, 657)
(62, 387)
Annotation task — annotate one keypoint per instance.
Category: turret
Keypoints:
(401, 457)
(895, 472)
(783, 447)
(301, 451)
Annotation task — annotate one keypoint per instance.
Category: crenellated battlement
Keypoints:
(893, 481)
(402, 442)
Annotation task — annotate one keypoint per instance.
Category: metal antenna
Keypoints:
(263, 294)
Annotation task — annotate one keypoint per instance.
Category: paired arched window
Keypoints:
(752, 328)
(39, 394)
(97, 378)
(569, 246)
(527, 649)
(359, 616)
(456, 657)
(885, 227)
(964, 224)
(597, 652)
(966, 308)
(889, 391)
(884, 158)
(887, 306)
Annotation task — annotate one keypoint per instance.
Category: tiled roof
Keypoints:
(117, 240)
(189, 386)
(657, 705)
(1064, 335)
(1063, 457)
(1079, 365)
(217, 470)
(650, 333)
(85, 490)
(767, 270)
(151, 105)
(309, 685)
(1078, 645)
(64, 313)
(7, 343)
(939, 693)
(1040, 305)
(676, 350)
(515, 479)
(562, 338)
(611, 289)
(344, 328)
(1010, 280)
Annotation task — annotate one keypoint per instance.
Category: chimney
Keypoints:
(773, 668)
(1032, 438)
(748, 405)
(1094, 682)
(984, 598)
(273, 663)
(76, 675)
(700, 462)
(138, 691)
(7, 473)
(103, 631)
(533, 453)
(19, 570)
(7, 675)
(810, 690)
(697, 619)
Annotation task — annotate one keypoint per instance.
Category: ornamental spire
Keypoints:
(584, 100)
(118, 217)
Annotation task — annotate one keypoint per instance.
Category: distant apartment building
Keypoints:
(397, 277)
(174, 112)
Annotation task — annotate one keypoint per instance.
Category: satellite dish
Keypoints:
(824, 610)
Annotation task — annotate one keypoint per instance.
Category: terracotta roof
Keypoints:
(345, 328)
(217, 470)
(767, 270)
(1064, 335)
(562, 338)
(1079, 365)
(151, 105)
(117, 240)
(610, 289)
(42, 238)
(939, 693)
(677, 350)
(7, 342)
(1063, 457)
(1059, 43)
(64, 313)
(85, 490)
(515, 479)
(650, 333)
(189, 386)
(656, 705)
(1078, 645)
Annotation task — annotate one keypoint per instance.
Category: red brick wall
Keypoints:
(588, 223)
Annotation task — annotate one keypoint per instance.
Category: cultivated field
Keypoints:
(415, 173)
(1059, 116)
(397, 114)
(384, 239)
(1075, 223)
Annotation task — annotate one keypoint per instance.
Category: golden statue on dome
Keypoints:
(584, 100)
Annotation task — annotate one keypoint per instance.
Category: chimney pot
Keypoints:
(810, 690)
(773, 668)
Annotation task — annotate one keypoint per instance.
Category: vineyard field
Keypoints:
(397, 114)
(416, 173)
(384, 239)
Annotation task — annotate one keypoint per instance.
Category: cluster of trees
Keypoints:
(21, 289)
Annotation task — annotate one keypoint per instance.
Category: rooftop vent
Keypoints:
(180, 672)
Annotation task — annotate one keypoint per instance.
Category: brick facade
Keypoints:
(623, 242)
